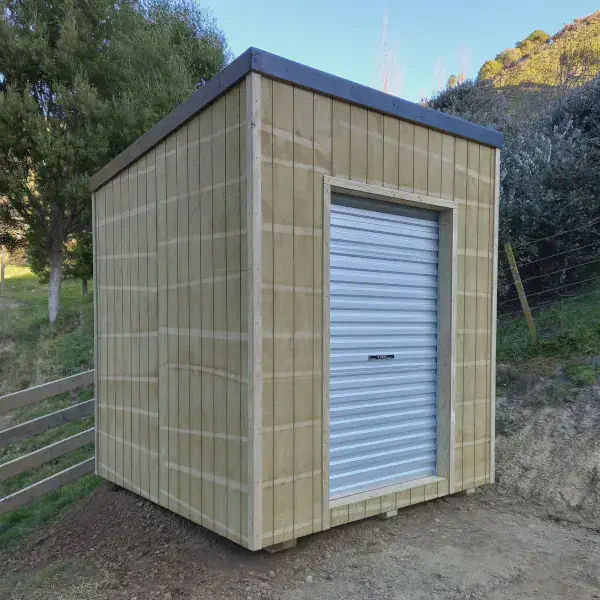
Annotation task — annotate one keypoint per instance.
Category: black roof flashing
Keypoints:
(300, 75)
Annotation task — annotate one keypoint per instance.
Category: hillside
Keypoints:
(567, 59)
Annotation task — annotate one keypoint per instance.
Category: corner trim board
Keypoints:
(492, 466)
(254, 217)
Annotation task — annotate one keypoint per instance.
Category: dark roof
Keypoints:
(300, 75)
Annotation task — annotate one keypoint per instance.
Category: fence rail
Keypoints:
(39, 425)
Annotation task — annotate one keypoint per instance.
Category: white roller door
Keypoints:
(383, 361)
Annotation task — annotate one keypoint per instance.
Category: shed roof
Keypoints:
(300, 75)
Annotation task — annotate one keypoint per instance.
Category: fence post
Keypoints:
(520, 290)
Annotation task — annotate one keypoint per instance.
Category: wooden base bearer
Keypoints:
(295, 310)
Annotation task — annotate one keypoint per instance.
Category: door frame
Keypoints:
(446, 374)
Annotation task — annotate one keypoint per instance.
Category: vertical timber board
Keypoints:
(100, 339)
(251, 158)
(283, 312)
(120, 193)
(182, 363)
(406, 158)
(420, 159)
(494, 316)
(460, 196)
(434, 164)
(233, 294)
(207, 320)
(108, 438)
(484, 216)
(195, 321)
(126, 384)
(303, 224)
(171, 329)
(375, 150)
(358, 143)
(340, 160)
(142, 417)
(134, 340)
(97, 367)
(391, 152)
(163, 354)
(470, 338)
(220, 314)
(153, 385)
(447, 193)
(246, 315)
(322, 158)
(267, 297)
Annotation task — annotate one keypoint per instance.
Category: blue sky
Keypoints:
(431, 39)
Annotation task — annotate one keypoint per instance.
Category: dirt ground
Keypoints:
(534, 535)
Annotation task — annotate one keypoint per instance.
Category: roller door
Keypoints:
(383, 345)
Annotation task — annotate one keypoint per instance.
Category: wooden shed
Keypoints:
(295, 285)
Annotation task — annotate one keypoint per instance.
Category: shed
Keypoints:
(295, 319)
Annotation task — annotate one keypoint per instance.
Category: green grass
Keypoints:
(566, 330)
(582, 375)
(18, 524)
(32, 352)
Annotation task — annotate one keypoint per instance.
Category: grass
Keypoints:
(32, 352)
(582, 375)
(567, 329)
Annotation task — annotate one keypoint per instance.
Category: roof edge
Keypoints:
(313, 79)
(300, 75)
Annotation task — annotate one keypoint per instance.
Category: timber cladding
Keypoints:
(212, 327)
(172, 322)
(306, 137)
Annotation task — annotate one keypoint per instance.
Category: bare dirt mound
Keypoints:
(548, 447)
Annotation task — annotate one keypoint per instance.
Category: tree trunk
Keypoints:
(56, 261)
(84, 287)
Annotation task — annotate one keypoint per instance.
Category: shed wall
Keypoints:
(305, 136)
(172, 321)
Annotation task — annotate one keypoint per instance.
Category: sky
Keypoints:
(428, 41)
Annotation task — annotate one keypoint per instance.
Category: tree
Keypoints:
(538, 37)
(509, 56)
(489, 70)
(79, 81)
(79, 261)
(452, 81)
(549, 176)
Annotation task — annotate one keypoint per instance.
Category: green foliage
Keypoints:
(79, 258)
(559, 391)
(527, 47)
(489, 70)
(582, 375)
(567, 329)
(79, 82)
(508, 57)
(538, 37)
(565, 60)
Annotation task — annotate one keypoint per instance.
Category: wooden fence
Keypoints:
(39, 425)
